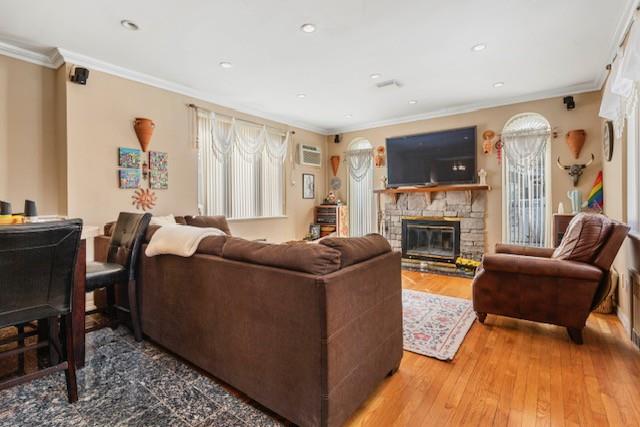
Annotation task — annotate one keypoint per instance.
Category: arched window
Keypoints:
(361, 201)
(526, 192)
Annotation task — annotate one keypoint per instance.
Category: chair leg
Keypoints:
(133, 310)
(481, 316)
(575, 334)
(55, 351)
(21, 344)
(70, 372)
(111, 310)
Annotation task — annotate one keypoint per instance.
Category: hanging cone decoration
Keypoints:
(575, 141)
(144, 130)
(335, 162)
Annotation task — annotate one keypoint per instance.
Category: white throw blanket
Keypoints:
(181, 240)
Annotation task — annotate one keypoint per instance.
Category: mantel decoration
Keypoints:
(144, 130)
(144, 198)
(488, 141)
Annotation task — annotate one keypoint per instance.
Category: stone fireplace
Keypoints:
(434, 228)
(431, 239)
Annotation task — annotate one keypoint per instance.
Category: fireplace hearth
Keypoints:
(431, 239)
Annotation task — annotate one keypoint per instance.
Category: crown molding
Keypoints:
(469, 108)
(59, 56)
(16, 52)
(126, 73)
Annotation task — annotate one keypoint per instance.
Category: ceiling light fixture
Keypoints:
(129, 25)
(375, 76)
(226, 64)
(479, 47)
(413, 102)
(498, 84)
(308, 28)
(301, 95)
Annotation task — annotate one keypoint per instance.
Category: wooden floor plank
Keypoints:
(511, 372)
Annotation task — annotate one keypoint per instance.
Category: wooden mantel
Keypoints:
(435, 188)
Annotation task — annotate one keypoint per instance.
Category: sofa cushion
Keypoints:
(163, 220)
(219, 222)
(357, 249)
(584, 237)
(313, 259)
(212, 245)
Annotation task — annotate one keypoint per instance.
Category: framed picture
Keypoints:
(129, 158)
(308, 186)
(158, 161)
(129, 178)
(158, 179)
(314, 231)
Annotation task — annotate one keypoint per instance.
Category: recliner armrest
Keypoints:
(503, 248)
(535, 266)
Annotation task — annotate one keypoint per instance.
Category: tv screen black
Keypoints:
(445, 157)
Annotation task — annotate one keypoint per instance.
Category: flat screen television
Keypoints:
(444, 157)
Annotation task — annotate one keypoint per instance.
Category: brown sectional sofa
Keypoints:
(308, 331)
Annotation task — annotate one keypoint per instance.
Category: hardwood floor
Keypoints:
(512, 373)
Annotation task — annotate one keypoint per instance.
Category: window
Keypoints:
(361, 201)
(240, 168)
(526, 193)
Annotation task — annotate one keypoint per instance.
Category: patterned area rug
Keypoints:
(130, 384)
(435, 325)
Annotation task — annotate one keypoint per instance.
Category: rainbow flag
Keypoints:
(596, 195)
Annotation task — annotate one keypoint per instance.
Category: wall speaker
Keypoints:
(337, 139)
(80, 75)
(569, 102)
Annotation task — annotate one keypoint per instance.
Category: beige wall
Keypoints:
(585, 116)
(28, 163)
(99, 120)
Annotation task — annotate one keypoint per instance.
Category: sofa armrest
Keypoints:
(503, 248)
(535, 266)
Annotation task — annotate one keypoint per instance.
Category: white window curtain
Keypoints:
(361, 202)
(633, 170)
(240, 168)
(526, 195)
(620, 96)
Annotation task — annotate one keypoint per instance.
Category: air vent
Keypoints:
(387, 83)
(310, 155)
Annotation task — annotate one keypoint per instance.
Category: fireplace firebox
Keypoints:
(431, 239)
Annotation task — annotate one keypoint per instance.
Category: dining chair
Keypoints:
(37, 265)
(120, 268)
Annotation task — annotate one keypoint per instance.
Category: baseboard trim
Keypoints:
(624, 319)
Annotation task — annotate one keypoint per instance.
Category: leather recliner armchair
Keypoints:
(537, 284)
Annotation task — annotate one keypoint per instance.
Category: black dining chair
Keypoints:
(37, 265)
(120, 268)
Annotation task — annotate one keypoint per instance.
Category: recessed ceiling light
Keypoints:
(479, 47)
(375, 76)
(308, 28)
(413, 102)
(226, 64)
(129, 25)
(498, 84)
(301, 95)
(348, 116)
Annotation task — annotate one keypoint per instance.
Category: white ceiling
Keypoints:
(538, 48)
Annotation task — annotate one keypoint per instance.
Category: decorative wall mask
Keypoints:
(379, 156)
(488, 137)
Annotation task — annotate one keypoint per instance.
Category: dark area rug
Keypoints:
(130, 384)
